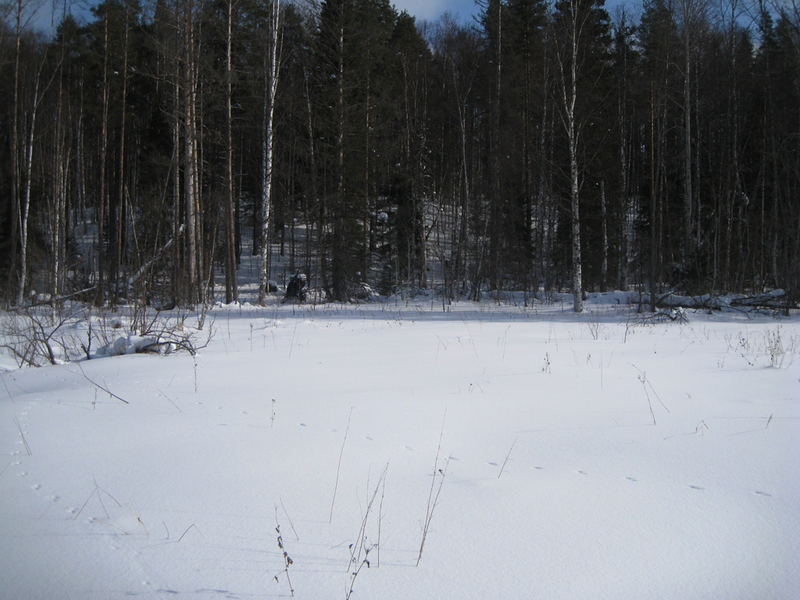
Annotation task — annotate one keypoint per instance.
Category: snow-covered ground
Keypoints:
(538, 454)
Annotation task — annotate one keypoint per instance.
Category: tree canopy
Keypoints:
(544, 146)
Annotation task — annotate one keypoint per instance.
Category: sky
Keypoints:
(465, 9)
(421, 9)
(429, 10)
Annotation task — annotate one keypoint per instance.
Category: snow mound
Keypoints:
(131, 344)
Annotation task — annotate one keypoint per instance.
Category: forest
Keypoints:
(542, 146)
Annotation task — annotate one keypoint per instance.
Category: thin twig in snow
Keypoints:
(291, 345)
(359, 551)
(105, 389)
(22, 435)
(506, 460)
(339, 465)
(433, 500)
(297, 537)
(187, 531)
(8, 391)
(380, 517)
(287, 560)
(647, 382)
(170, 400)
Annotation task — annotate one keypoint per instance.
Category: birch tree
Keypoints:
(231, 283)
(271, 70)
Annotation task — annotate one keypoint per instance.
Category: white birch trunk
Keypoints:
(569, 97)
(270, 92)
(26, 203)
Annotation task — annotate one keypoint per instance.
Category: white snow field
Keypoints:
(538, 454)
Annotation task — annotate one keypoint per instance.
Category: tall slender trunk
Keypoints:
(419, 167)
(177, 256)
(465, 196)
(231, 285)
(190, 175)
(119, 242)
(569, 99)
(527, 167)
(339, 275)
(26, 203)
(190, 154)
(543, 194)
(60, 166)
(626, 250)
(737, 193)
(79, 215)
(315, 199)
(688, 200)
(268, 142)
(653, 203)
(15, 171)
(572, 135)
(496, 198)
(604, 224)
(366, 214)
(100, 291)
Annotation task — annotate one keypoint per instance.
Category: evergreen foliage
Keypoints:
(662, 153)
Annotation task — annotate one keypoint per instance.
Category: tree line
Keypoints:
(544, 146)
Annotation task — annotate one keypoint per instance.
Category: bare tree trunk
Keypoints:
(231, 285)
(569, 97)
(653, 203)
(319, 213)
(419, 191)
(604, 224)
(101, 200)
(543, 195)
(60, 173)
(190, 152)
(177, 255)
(15, 172)
(26, 204)
(366, 217)
(495, 210)
(691, 14)
(625, 254)
(267, 144)
(460, 246)
(24, 213)
(119, 242)
(688, 203)
(339, 275)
